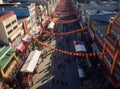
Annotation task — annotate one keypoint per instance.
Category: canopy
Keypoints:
(51, 25)
(27, 38)
(81, 73)
(80, 47)
(31, 61)
(21, 47)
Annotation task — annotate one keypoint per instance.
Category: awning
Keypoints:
(31, 61)
(80, 47)
(51, 25)
(27, 38)
(21, 47)
(81, 73)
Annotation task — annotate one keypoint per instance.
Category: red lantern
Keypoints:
(59, 51)
(56, 50)
(98, 53)
(67, 53)
(52, 48)
(94, 54)
(74, 54)
(79, 54)
(83, 55)
(70, 53)
(64, 52)
(86, 55)
(90, 54)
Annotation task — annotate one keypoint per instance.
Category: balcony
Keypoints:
(110, 42)
(109, 52)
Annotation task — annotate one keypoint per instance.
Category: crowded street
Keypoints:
(69, 71)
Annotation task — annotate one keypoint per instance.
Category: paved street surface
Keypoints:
(43, 76)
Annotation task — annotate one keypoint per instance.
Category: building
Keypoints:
(1, 1)
(98, 15)
(22, 10)
(111, 59)
(98, 7)
(9, 29)
(9, 64)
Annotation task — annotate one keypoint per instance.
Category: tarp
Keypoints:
(31, 61)
(21, 47)
(27, 38)
(51, 25)
(80, 47)
(81, 73)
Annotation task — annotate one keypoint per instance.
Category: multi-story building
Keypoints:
(1, 1)
(9, 64)
(22, 11)
(9, 31)
(111, 59)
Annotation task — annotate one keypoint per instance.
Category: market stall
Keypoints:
(29, 67)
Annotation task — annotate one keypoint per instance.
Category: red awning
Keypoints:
(21, 47)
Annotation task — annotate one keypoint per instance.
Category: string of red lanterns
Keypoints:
(64, 33)
(66, 52)
(66, 21)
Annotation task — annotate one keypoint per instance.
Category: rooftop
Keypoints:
(23, 5)
(5, 54)
(100, 12)
(4, 15)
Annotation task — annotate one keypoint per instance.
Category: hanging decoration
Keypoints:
(64, 33)
(67, 21)
(68, 53)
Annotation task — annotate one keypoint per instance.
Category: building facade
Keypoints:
(111, 59)
(9, 64)
(9, 31)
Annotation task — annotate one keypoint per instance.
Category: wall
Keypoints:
(3, 35)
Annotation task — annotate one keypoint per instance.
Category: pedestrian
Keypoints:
(53, 81)
(57, 81)
(63, 72)
(62, 82)
(45, 53)
(42, 57)
(66, 83)
(64, 66)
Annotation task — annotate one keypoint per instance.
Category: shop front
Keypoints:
(9, 64)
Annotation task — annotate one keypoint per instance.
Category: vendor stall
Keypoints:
(79, 46)
(81, 73)
(29, 67)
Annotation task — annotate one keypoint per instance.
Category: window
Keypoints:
(9, 39)
(8, 25)
(9, 32)
(15, 27)
(13, 21)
